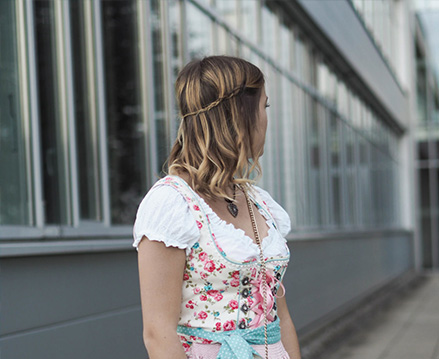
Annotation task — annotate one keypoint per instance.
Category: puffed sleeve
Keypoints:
(164, 216)
(280, 215)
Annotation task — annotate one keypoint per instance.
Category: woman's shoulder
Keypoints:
(164, 214)
(279, 214)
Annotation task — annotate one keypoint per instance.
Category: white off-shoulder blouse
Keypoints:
(164, 215)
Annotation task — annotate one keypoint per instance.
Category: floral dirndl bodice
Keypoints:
(220, 293)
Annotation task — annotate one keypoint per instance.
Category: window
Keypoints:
(14, 195)
(125, 130)
(87, 139)
(52, 129)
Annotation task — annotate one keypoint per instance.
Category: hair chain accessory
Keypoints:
(231, 205)
(263, 268)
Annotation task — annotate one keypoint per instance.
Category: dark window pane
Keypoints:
(86, 135)
(52, 150)
(13, 191)
(126, 137)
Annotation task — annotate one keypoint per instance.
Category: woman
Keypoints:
(211, 247)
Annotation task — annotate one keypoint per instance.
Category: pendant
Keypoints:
(233, 209)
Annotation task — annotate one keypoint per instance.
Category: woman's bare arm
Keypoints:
(161, 278)
(287, 329)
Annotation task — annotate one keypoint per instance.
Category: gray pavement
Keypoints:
(407, 330)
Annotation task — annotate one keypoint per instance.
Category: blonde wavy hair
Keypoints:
(218, 99)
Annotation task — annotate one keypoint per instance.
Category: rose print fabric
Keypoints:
(221, 293)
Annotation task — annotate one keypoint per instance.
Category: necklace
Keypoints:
(231, 206)
(263, 269)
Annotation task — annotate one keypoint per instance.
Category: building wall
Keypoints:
(89, 119)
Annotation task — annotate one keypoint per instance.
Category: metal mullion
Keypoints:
(26, 12)
(167, 72)
(323, 175)
(343, 175)
(69, 115)
(147, 87)
(25, 101)
(63, 107)
(331, 223)
(184, 37)
(277, 96)
(101, 111)
(87, 13)
(433, 214)
(369, 164)
(359, 209)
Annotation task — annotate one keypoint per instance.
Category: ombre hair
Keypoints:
(218, 99)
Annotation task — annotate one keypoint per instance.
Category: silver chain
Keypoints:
(263, 268)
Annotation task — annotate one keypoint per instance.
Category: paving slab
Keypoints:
(407, 330)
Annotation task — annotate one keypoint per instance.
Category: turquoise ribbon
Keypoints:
(236, 344)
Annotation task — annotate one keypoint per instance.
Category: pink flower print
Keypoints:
(222, 266)
(209, 266)
(218, 326)
(235, 274)
(212, 292)
(190, 304)
(254, 272)
(203, 256)
(218, 297)
(250, 301)
(192, 337)
(186, 347)
(196, 207)
(203, 297)
(202, 315)
(233, 304)
(229, 325)
(234, 282)
(185, 276)
(196, 290)
(199, 224)
(203, 275)
(207, 341)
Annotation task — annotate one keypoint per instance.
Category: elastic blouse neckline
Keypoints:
(230, 227)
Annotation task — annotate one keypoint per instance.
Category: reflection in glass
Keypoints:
(425, 213)
(227, 10)
(126, 137)
(351, 173)
(249, 11)
(52, 150)
(199, 28)
(13, 191)
(86, 135)
(315, 164)
(335, 171)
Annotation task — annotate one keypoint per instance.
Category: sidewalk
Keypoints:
(409, 330)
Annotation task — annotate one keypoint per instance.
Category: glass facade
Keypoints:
(329, 158)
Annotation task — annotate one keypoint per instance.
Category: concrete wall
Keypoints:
(87, 306)
(70, 306)
(326, 277)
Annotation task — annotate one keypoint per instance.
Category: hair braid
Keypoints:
(215, 103)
